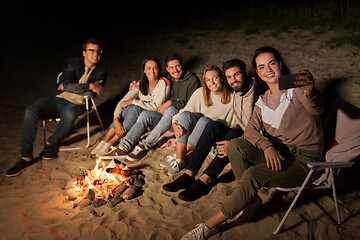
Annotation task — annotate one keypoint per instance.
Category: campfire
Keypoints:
(111, 183)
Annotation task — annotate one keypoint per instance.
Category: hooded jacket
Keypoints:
(182, 89)
(243, 105)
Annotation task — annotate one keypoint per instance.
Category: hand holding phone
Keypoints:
(290, 81)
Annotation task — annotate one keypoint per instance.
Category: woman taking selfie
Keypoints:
(282, 136)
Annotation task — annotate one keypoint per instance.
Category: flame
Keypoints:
(98, 179)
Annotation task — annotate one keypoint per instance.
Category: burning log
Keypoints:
(112, 183)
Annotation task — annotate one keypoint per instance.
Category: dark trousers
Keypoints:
(213, 132)
(46, 108)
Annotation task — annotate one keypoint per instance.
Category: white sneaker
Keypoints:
(106, 147)
(176, 166)
(167, 161)
(201, 231)
(98, 147)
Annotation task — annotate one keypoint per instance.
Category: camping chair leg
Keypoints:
(87, 124)
(293, 202)
(334, 195)
(44, 127)
(97, 113)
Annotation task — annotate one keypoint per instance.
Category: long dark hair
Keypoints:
(267, 49)
(144, 82)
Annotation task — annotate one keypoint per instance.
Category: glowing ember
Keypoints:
(102, 180)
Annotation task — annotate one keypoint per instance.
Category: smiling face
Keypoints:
(236, 79)
(174, 69)
(268, 68)
(213, 81)
(151, 70)
(92, 54)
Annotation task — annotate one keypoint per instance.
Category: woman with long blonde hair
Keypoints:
(211, 102)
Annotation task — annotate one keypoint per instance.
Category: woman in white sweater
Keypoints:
(212, 102)
(152, 91)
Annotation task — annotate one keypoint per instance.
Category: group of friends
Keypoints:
(268, 135)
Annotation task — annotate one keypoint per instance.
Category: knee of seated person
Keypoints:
(185, 114)
(30, 112)
(204, 121)
(69, 117)
(212, 125)
(250, 177)
(144, 116)
(238, 145)
(171, 110)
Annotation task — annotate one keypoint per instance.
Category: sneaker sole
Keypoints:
(132, 159)
(16, 174)
(172, 174)
(49, 158)
(113, 157)
(168, 164)
(164, 165)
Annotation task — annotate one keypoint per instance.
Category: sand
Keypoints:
(35, 205)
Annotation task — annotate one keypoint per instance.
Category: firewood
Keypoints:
(119, 190)
(90, 194)
(98, 203)
(129, 193)
(85, 202)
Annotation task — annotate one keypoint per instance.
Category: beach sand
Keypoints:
(35, 205)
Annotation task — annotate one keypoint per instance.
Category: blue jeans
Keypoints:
(213, 132)
(128, 117)
(193, 129)
(161, 122)
(47, 108)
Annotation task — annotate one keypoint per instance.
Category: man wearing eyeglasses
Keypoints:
(82, 76)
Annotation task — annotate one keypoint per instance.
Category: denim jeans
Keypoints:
(128, 117)
(46, 108)
(213, 132)
(193, 129)
(161, 122)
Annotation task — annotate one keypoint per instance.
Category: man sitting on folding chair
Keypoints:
(81, 76)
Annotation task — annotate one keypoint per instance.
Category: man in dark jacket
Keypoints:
(81, 76)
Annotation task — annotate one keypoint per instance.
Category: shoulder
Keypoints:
(75, 61)
(260, 101)
(191, 76)
(165, 81)
(198, 91)
(100, 68)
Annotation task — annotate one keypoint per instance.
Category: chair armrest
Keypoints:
(323, 165)
(88, 94)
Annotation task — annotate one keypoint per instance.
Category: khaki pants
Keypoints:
(249, 167)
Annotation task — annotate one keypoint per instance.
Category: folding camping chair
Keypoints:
(315, 166)
(86, 114)
(344, 119)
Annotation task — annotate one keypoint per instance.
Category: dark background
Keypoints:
(37, 38)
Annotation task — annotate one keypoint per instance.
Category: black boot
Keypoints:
(181, 182)
(195, 191)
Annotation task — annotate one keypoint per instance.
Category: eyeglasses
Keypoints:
(93, 51)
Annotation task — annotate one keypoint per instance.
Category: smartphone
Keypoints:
(287, 81)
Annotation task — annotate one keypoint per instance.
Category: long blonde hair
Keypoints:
(225, 94)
